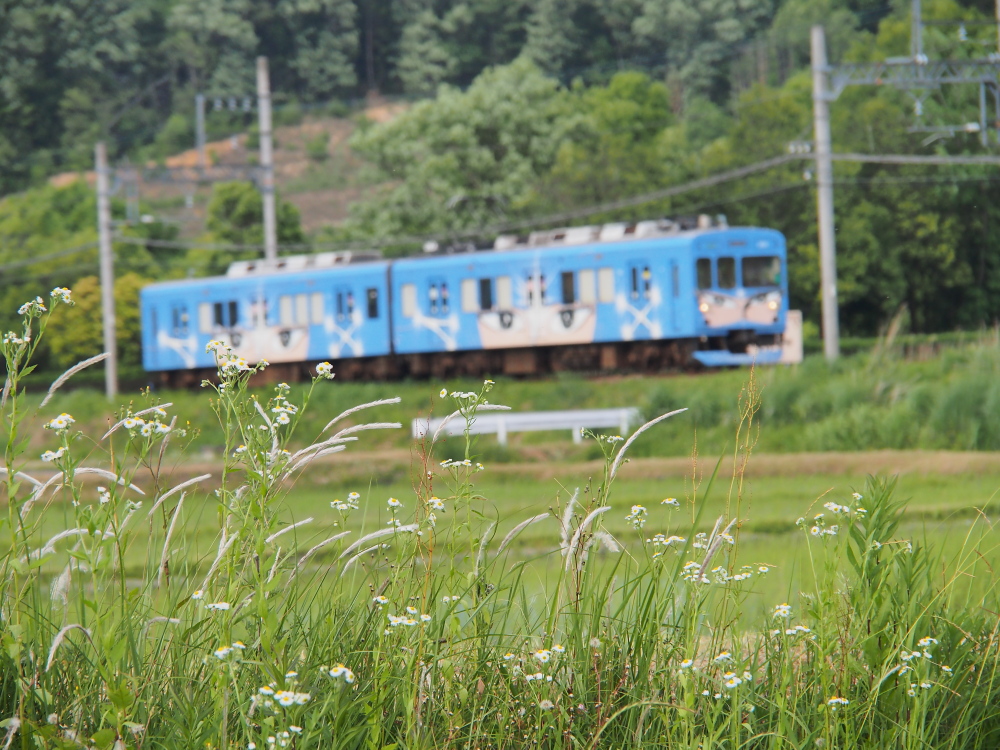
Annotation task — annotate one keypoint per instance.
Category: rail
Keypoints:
(503, 423)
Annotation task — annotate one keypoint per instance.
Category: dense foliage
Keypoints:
(432, 630)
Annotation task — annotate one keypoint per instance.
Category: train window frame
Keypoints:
(504, 293)
(226, 314)
(727, 260)
(567, 286)
(470, 303)
(302, 309)
(675, 279)
(703, 273)
(586, 286)
(640, 281)
(371, 302)
(179, 319)
(408, 300)
(486, 294)
(205, 317)
(317, 308)
(606, 284)
(773, 260)
(286, 311)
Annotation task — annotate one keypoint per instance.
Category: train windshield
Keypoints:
(762, 271)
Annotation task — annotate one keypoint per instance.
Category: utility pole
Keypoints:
(107, 270)
(266, 164)
(824, 196)
(199, 130)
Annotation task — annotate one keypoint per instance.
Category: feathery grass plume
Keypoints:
(60, 637)
(59, 591)
(224, 547)
(483, 541)
(521, 527)
(49, 547)
(318, 454)
(120, 422)
(13, 724)
(362, 553)
(369, 426)
(302, 561)
(166, 438)
(58, 382)
(378, 535)
(166, 542)
(566, 521)
(355, 409)
(111, 476)
(154, 620)
(458, 412)
(598, 537)
(275, 445)
(278, 533)
(322, 445)
(621, 453)
(714, 543)
(22, 475)
(175, 489)
(570, 551)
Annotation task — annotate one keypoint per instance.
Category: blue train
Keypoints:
(641, 296)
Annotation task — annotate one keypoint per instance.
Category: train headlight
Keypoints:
(771, 300)
(704, 307)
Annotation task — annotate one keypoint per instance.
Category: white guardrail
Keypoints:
(502, 423)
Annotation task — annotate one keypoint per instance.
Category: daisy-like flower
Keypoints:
(62, 294)
(285, 697)
(61, 423)
(282, 418)
(687, 664)
(443, 393)
(425, 618)
(671, 501)
(558, 648)
(543, 655)
(925, 685)
(546, 705)
(33, 306)
(295, 729)
(381, 600)
(266, 690)
(783, 610)
(198, 594)
(147, 429)
(325, 370)
(436, 503)
(394, 503)
(763, 569)
(411, 610)
(488, 384)
(723, 657)
(50, 456)
(223, 651)
(928, 641)
(508, 656)
(637, 517)
(857, 496)
(239, 644)
(946, 668)
(218, 606)
(835, 702)
(731, 680)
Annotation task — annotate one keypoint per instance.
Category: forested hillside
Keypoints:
(518, 111)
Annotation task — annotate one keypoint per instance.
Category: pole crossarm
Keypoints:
(911, 74)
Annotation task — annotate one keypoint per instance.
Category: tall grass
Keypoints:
(433, 632)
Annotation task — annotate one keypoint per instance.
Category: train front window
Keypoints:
(704, 269)
(568, 288)
(486, 294)
(762, 271)
(372, 297)
(727, 273)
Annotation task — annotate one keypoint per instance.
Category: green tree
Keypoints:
(77, 336)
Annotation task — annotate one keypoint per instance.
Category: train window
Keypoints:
(408, 300)
(647, 282)
(568, 288)
(316, 305)
(469, 302)
(371, 296)
(285, 311)
(444, 298)
(762, 271)
(344, 304)
(225, 314)
(606, 284)
(179, 320)
(486, 294)
(585, 286)
(727, 273)
(217, 314)
(675, 280)
(302, 309)
(205, 317)
(505, 293)
(704, 269)
(432, 298)
(642, 282)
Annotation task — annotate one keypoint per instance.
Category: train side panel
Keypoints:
(291, 317)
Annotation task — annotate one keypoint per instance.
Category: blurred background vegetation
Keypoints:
(403, 119)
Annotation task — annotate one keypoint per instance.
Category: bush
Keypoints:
(316, 148)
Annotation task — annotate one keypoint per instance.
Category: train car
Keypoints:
(640, 297)
(325, 307)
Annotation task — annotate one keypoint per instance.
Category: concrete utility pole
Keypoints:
(824, 196)
(199, 130)
(266, 164)
(107, 270)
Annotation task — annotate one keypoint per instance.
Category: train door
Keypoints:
(675, 295)
(640, 302)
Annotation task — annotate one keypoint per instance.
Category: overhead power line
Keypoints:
(48, 256)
